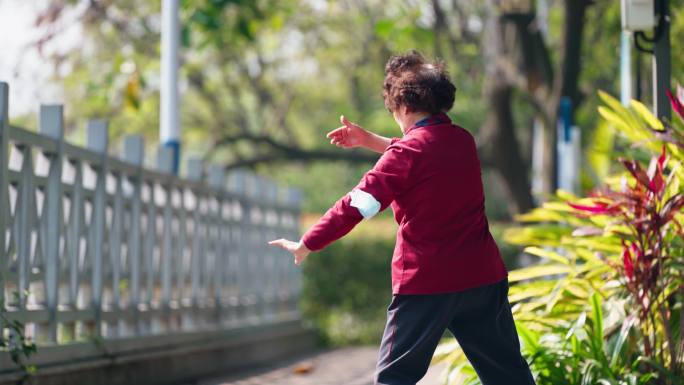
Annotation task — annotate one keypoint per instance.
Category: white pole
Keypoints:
(543, 16)
(169, 131)
(625, 67)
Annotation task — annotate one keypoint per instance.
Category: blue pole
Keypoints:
(566, 117)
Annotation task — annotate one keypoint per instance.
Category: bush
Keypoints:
(621, 250)
(347, 288)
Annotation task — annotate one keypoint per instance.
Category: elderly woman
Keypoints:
(447, 272)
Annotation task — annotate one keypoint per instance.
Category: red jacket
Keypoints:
(432, 179)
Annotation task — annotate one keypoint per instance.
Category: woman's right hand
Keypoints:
(350, 135)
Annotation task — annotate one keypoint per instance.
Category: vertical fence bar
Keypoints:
(75, 230)
(238, 186)
(217, 182)
(195, 169)
(97, 141)
(165, 165)
(134, 154)
(24, 220)
(270, 253)
(237, 260)
(197, 256)
(52, 125)
(284, 262)
(264, 272)
(233, 251)
(251, 230)
(277, 261)
(294, 200)
(4, 195)
(180, 255)
(148, 252)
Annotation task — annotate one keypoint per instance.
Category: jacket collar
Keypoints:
(432, 120)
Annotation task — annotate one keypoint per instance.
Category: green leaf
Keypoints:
(529, 338)
(537, 272)
(384, 28)
(622, 112)
(543, 253)
(186, 36)
(600, 150)
(620, 341)
(645, 114)
(617, 121)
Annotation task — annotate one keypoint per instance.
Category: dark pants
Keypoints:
(479, 318)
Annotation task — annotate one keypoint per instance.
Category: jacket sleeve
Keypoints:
(390, 176)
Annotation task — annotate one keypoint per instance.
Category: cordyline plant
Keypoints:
(644, 219)
(619, 250)
(644, 215)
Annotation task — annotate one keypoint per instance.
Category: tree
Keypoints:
(265, 79)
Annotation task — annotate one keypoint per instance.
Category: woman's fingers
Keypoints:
(337, 132)
(346, 136)
(339, 137)
(346, 121)
(277, 242)
(300, 253)
(284, 244)
(340, 142)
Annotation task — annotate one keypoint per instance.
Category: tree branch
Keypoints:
(280, 152)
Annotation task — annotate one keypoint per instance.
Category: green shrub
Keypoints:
(620, 249)
(347, 288)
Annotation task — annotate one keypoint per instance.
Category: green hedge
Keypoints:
(347, 288)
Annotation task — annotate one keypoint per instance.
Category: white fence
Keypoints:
(100, 247)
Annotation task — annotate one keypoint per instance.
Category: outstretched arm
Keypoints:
(374, 193)
(351, 135)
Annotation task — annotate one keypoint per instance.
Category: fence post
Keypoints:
(52, 125)
(97, 141)
(195, 169)
(238, 186)
(75, 230)
(133, 153)
(4, 199)
(165, 165)
(217, 180)
(272, 253)
(195, 172)
(147, 255)
(285, 217)
(295, 201)
(259, 192)
(251, 238)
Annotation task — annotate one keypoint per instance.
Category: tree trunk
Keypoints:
(499, 127)
(566, 82)
(504, 148)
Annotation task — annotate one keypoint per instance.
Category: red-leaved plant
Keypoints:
(643, 214)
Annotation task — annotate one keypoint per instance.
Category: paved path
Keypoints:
(347, 366)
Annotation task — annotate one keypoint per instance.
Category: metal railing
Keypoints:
(101, 247)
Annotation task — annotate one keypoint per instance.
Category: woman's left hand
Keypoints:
(298, 249)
